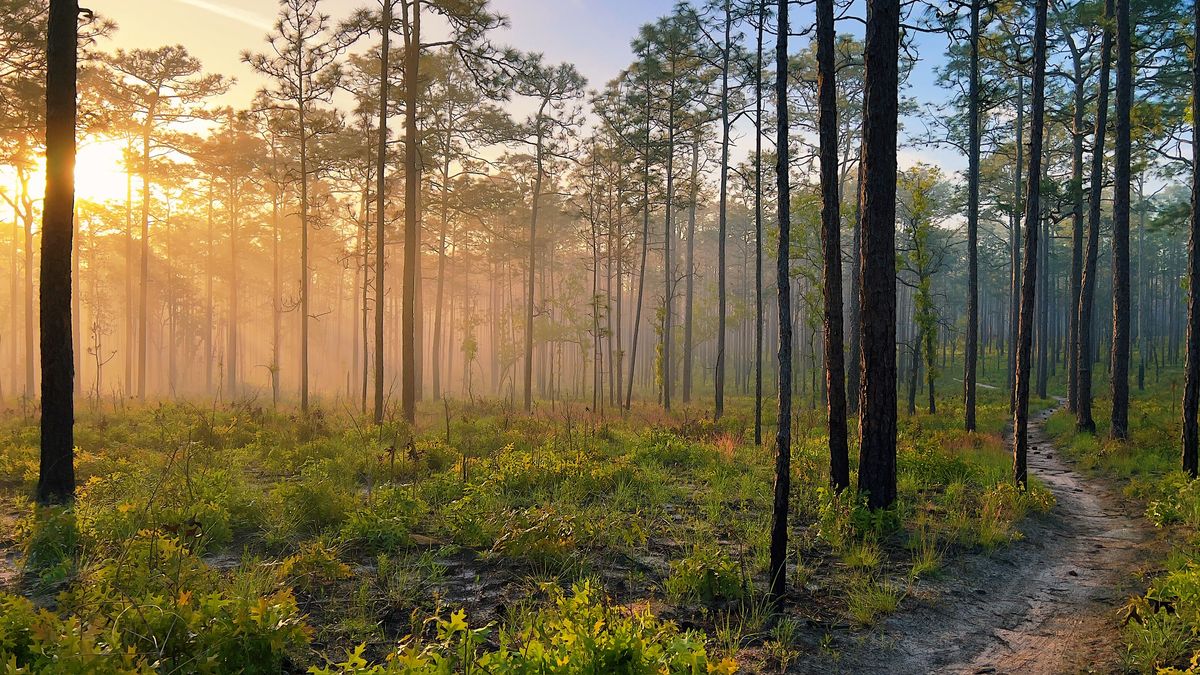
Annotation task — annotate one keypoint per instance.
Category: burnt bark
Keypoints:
(877, 318)
(783, 433)
(1119, 368)
(1087, 288)
(1030, 263)
(56, 474)
(831, 242)
(1191, 389)
(971, 356)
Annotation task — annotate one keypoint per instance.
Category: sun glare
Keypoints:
(99, 174)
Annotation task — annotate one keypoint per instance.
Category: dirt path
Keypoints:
(1044, 605)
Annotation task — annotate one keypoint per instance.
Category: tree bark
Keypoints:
(831, 241)
(783, 433)
(385, 28)
(758, 227)
(690, 292)
(533, 216)
(877, 321)
(972, 347)
(1014, 309)
(1190, 455)
(412, 233)
(1119, 369)
(1029, 268)
(56, 475)
(1087, 290)
(1077, 228)
(719, 373)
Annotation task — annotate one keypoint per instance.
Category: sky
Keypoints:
(594, 35)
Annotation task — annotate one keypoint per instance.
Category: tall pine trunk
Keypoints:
(719, 374)
(1119, 368)
(412, 234)
(877, 319)
(783, 433)
(831, 242)
(1029, 268)
(1014, 307)
(56, 475)
(1077, 224)
(758, 226)
(690, 292)
(972, 347)
(1087, 291)
(385, 27)
(1191, 390)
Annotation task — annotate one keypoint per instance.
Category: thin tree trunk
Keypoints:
(719, 374)
(1077, 134)
(758, 227)
(533, 216)
(972, 347)
(1014, 308)
(1029, 270)
(385, 28)
(783, 434)
(1087, 292)
(412, 234)
(1190, 455)
(1119, 368)
(690, 293)
(831, 240)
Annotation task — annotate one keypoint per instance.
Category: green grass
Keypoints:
(345, 534)
(1162, 627)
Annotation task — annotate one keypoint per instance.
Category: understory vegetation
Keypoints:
(236, 539)
(1162, 619)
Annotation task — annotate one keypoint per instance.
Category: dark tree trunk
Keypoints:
(668, 226)
(56, 475)
(972, 346)
(1119, 368)
(529, 309)
(1029, 268)
(412, 233)
(1087, 291)
(877, 320)
(637, 316)
(1045, 295)
(783, 433)
(852, 368)
(690, 293)
(385, 27)
(831, 241)
(1191, 389)
(1015, 246)
(1077, 220)
(758, 227)
(719, 374)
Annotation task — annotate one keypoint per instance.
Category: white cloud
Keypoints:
(235, 13)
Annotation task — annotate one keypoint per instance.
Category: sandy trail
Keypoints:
(1045, 605)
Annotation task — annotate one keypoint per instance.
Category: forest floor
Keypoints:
(1046, 604)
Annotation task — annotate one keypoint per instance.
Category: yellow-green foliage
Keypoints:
(579, 634)
(156, 605)
(201, 515)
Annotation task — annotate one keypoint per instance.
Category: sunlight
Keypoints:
(99, 171)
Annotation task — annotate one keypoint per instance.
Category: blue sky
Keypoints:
(592, 34)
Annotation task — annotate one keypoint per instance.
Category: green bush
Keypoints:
(51, 542)
(707, 574)
(579, 635)
(385, 524)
